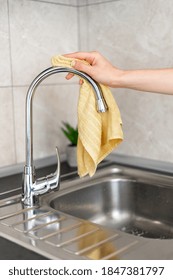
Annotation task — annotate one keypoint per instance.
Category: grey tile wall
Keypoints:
(31, 32)
(131, 33)
(135, 34)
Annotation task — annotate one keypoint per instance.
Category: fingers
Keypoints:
(78, 65)
(82, 67)
(88, 56)
(69, 76)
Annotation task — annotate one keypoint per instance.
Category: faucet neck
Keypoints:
(32, 187)
(100, 103)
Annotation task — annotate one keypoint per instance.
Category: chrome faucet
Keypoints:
(32, 187)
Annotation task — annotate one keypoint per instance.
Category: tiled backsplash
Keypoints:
(30, 33)
(131, 33)
(136, 34)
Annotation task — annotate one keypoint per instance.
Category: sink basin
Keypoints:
(139, 204)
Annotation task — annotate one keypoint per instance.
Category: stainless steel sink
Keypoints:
(137, 203)
(122, 212)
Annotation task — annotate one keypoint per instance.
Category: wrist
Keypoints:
(118, 79)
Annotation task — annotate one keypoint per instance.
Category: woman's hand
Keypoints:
(102, 71)
(99, 68)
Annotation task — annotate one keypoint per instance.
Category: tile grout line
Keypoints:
(78, 28)
(78, 5)
(87, 26)
(11, 73)
(53, 3)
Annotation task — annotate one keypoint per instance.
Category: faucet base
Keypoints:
(30, 201)
(32, 187)
(28, 178)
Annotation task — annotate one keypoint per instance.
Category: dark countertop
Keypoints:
(15, 180)
(12, 251)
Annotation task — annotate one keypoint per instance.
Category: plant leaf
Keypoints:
(70, 132)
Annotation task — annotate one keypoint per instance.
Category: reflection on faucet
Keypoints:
(32, 187)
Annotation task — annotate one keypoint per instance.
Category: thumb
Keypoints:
(82, 67)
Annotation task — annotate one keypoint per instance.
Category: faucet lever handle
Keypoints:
(49, 182)
(54, 179)
(58, 170)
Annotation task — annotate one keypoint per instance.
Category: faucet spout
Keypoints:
(33, 187)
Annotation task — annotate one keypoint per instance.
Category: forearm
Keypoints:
(159, 81)
(101, 70)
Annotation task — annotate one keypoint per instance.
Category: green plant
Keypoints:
(70, 132)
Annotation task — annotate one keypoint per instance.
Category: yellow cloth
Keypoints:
(99, 133)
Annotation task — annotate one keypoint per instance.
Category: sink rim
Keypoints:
(74, 183)
(121, 174)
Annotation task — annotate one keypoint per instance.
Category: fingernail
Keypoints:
(73, 63)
